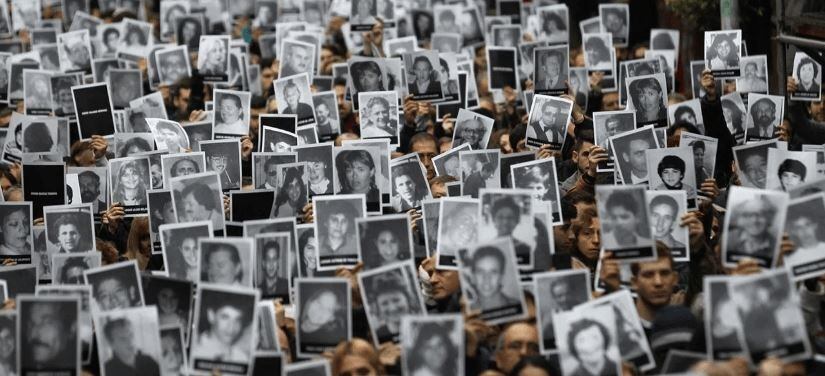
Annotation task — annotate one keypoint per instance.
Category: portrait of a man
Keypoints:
(224, 320)
(231, 113)
(270, 281)
(664, 214)
(297, 58)
(550, 121)
(126, 357)
(48, 332)
(625, 224)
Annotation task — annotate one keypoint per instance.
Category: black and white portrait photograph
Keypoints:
(753, 225)
(687, 112)
(723, 52)
(479, 169)
(47, 327)
(75, 51)
(109, 39)
(323, 317)
(607, 124)
(136, 38)
(704, 154)
(336, 230)
(224, 329)
(765, 113)
(274, 140)
(721, 332)
(754, 78)
(408, 181)
(213, 57)
(226, 261)
(173, 350)
(788, 169)
(431, 345)
(490, 281)
(232, 113)
(128, 341)
(128, 144)
(297, 57)
(266, 168)
(587, 341)
(769, 307)
(553, 23)
(556, 292)
(441, 42)
(551, 70)
(615, 19)
(505, 35)
(752, 163)
(696, 69)
(40, 135)
(547, 124)
(101, 68)
(378, 114)
(804, 224)
(808, 75)
(15, 69)
(70, 229)
(384, 240)
(527, 68)
(647, 96)
(188, 31)
(664, 39)
(597, 56)
(272, 267)
(198, 197)
(389, 293)
(360, 170)
(224, 158)
(37, 92)
(447, 163)
(169, 135)
(675, 171)
(295, 98)
(508, 214)
(321, 167)
(16, 230)
(624, 221)
(179, 244)
(68, 268)
(423, 78)
(115, 286)
(173, 64)
(126, 86)
(363, 14)
(630, 336)
(501, 67)
(129, 180)
(327, 117)
(84, 293)
(182, 164)
(155, 163)
(666, 209)
(93, 108)
(473, 129)
(171, 297)
(366, 74)
(629, 152)
(539, 177)
(169, 12)
(197, 132)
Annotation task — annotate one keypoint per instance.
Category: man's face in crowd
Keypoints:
(299, 59)
(623, 220)
(637, 157)
(230, 111)
(322, 113)
(519, 340)
(549, 114)
(421, 70)
(561, 295)
(662, 217)
(487, 273)
(610, 101)
(111, 294)
(337, 225)
(764, 114)
(405, 187)
(89, 188)
(292, 97)
(225, 323)
(122, 343)
(47, 333)
(473, 131)
(505, 221)
(582, 157)
(750, 70)
(654, 282)
(612, 126)
(69, 237)
(426, 151)
(221, 267)
(553, 67)
(218, 162)
(755, 169)
(271, 263)
(185, 167)
(613, 22)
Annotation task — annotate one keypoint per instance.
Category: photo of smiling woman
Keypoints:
(648, 98)
(128, 179)
(384, 240)
(179, 243)
(356, 174)
(15, 230)
(323, 314)
(292, 194)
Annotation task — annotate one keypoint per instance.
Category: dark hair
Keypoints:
(698, 144)
(662, 252)
(133, 30)
(110, 31)
(346, 158)
(423, 58)
(428, 330)
(736, 114)
(602, 53)
(182, 160)
(234, 255)
(665, 200)
(36, 138)
(662, 41)
(271, 245)
(636, 87)
(622, 199)
(407, 169)
(114, 324)
(360, 67)
(671, 161)
(506, 202)
(291, 174)
(202, 194)
(535, 362)
(732, 59)
(793, 166)
(683, 110)
(553, 18)
(580, 326)
(71, 263)
(90, 174)
(134, 142)
(488, 251)
(805, 61)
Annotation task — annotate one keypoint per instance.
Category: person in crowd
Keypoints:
(270, 281)
(126, 358)
(292, 194)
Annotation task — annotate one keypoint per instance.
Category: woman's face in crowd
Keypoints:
(369, 80)
(16, 229)
(387, 245)
(790, 180)
(293, 190)
(723, 49)
(650, 99)
(589, 344)
(806, 73)
(217, 53)
(189, 251)
(671, 176)
(405, 187)
(359, 176)
(393, 305)
(194, 210)
(69, 237)
(230, 111)
(226, 324)
(167, 301)
(316, 171)
(309, 252)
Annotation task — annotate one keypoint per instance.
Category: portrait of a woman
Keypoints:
(214, 61)
(133, 146)
(16, 230)
(384, 242)
(598, 54)
(408, 187)
(356, 174)
(648, 100)
(588, 341)
(183, 255)
(433, 352)
(129, 188)
(723, 52)
(292, 195)
(323, 318)
(367, 76)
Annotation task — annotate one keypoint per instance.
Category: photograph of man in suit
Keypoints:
(549, 128)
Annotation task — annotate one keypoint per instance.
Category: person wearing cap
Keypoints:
(791, 173)
(671, 170)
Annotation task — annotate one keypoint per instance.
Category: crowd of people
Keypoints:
(422, 187)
